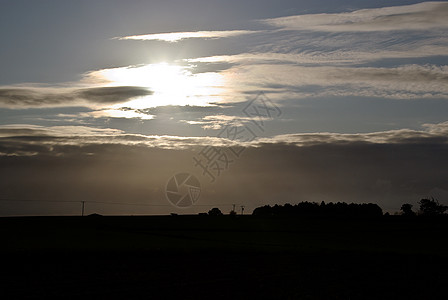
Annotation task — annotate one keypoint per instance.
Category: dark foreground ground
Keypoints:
(200, 257)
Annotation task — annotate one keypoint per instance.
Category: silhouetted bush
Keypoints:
(215, 212)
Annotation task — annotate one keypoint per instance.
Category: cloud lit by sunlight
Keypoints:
(177, 36)
(119, 113)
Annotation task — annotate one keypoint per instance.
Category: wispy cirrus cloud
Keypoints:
(322, 57)
(390, 52)
(177, 36)
(293, 81)
(422, 16)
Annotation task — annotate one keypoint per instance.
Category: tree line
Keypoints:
(427, 207)
(322, 209)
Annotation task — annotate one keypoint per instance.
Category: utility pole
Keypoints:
(83, 208)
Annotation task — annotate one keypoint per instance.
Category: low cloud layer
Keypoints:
(107, 165)
(16, 138)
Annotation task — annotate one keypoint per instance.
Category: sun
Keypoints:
(171, 85)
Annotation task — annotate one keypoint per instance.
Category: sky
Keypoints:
(157, 107)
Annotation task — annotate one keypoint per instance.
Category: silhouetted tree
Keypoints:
(263, 211)
(407, 210)
(215, 212)
(431, 207)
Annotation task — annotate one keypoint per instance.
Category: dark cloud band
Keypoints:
(27, 97)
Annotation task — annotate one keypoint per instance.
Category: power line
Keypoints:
(105, 202)
(38, 200)
(80, 201)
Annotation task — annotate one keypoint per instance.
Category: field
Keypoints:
(203, 257)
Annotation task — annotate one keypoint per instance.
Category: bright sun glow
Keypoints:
(171, 85)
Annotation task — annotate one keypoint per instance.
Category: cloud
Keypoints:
(422, 16)
(24, 140)
(118, 113)
(435, 133)
(14, 97)
(177, 36)
(322, 56)
(113, 94)
(45, 97)
(364, 53)
(16, 130)
(220, 121)
(16, 138)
